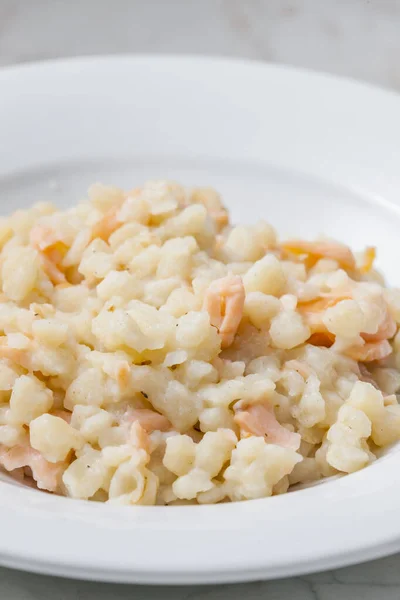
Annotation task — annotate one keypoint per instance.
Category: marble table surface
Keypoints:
(356, 38)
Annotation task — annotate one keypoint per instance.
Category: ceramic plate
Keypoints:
(311, 154)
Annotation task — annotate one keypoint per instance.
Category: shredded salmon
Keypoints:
(106, 226)
(221, 218)
(370, 351)
(42, 237)
(123, 375)
(323, 339)
(149, 420)
(224, 301)
(368, 259)
(313, 311)
(301, 367)
(51, 250)
(386, 330)
(322, 249)
(47, 475)
(366, 376)
(139, 437)
(260, 420)
(16, 355)
(53, 272)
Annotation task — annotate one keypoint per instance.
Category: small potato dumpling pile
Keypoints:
(151, 353)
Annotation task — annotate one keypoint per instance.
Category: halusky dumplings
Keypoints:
(150, 353)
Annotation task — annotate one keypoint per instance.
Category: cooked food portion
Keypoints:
(152, 353)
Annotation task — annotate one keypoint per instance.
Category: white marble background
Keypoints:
(357, 38)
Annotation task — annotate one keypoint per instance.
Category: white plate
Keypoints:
(308, 152)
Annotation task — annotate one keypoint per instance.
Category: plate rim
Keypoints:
(91, 58)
